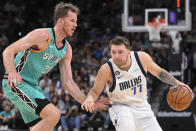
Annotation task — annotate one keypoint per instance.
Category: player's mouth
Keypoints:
(73, 30)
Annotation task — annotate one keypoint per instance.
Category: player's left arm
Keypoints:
(99, 84)
(66, 77)
(159, 72)
(69, 85)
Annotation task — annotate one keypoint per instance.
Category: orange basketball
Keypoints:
(179, 98)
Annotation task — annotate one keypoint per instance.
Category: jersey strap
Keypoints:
(139, 63)
(113, 77)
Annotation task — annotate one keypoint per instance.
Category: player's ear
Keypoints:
(60, 20)
(129, 52)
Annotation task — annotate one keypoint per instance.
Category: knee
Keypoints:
(52, 116)
(55, 116)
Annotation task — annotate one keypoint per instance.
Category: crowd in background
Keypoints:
(98, 22)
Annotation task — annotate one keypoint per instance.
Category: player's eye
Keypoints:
(120, 52)
(73, 20)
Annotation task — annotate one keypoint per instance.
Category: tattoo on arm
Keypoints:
(167, 78)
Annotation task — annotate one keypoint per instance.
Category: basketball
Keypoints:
(179, 98)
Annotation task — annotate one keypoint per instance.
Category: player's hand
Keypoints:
(184, 85)
(102, 103)
(14, 79)
(88, 104)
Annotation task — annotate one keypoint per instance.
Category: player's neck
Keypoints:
(59, 35)
(126, 66)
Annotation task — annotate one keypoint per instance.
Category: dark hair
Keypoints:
(61, 10)
(120, 40)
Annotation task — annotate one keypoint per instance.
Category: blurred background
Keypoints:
(98, 22)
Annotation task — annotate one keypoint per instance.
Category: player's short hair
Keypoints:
(61, 10)
(120, 40)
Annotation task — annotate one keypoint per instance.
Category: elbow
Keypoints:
(6, 52)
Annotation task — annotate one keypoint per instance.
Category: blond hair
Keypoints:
(61, 10)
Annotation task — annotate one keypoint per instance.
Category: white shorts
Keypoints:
(126, 118)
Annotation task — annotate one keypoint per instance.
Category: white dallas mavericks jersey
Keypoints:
(128, 87)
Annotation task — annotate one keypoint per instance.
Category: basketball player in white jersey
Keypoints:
(125, 78)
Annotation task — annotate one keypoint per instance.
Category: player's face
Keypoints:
(119, 54)
(70, 23)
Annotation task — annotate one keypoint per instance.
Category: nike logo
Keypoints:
(134, 70)
(120, 76)
(51, 46)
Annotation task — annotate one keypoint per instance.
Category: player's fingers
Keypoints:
(105, 100)
(15, 82)
(86, 107)
(103, 107)
(8, 81)
(90, 106)
(11, 80)
(91, 109)
(11, 83)
(18, 82)
(190, 90)
(20, 79)
(100, 105)
(82, 106)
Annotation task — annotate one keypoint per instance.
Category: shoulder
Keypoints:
(68, 45)
(145, 59)
(105, 67)
(39, 34)
(104, 73)
(143, 56)
(105, 70)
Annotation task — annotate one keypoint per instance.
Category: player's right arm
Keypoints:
(35, 39)
(102, 78)
(159, 72)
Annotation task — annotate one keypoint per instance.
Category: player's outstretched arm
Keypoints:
(159, 72)
(69, 85)
(35, 39)
(94, 93)
(66, 77)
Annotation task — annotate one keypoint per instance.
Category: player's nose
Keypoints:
(75, 24)
(117, 55)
